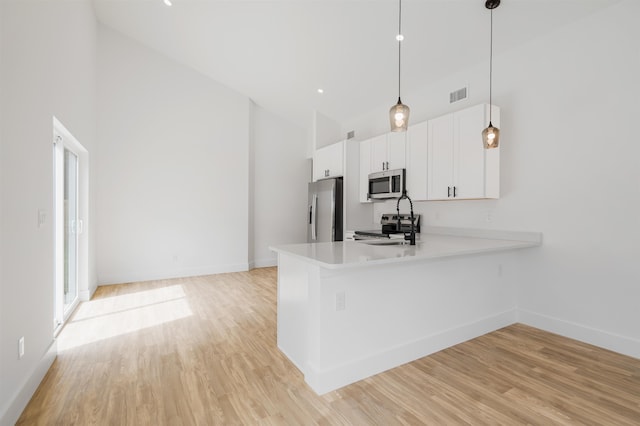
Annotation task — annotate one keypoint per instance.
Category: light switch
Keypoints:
(340, 301)
(42, 217)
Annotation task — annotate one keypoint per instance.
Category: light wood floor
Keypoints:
(202, 351)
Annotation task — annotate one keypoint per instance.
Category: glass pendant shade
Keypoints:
(399, 117)
(491, 137)
(399, 113)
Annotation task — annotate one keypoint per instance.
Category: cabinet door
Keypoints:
(469, 153)
(440, 158)
(378, 153)
(396, 150)
(335, 159)
(417, 147)
(328, 161)
(319, 164)
(365, 169)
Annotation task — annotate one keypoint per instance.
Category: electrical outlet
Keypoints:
(340, 301)
(489, 216)
(20, 347)
(500, 270)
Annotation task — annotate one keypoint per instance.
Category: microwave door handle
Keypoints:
(314, 218)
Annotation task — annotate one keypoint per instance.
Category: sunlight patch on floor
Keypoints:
(114, 316)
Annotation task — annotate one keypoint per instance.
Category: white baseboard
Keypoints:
(22, 396)
(86, 295)
(327, 380)
(264, 263)
(120, 278)
(614, 342)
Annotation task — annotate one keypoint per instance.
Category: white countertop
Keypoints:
(433, 244)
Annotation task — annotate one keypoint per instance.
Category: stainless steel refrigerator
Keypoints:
(324, 211)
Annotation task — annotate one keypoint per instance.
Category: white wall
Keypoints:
(173, 171)
(280, 178)
(569, 169)
(583, 191)
(48, 69)
(325, 131)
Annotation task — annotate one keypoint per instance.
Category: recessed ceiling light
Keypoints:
(168, 2)
(399, 37)
(320, 91)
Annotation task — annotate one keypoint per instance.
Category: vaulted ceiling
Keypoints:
(279, 53)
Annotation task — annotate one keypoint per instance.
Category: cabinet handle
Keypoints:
(454, 192)
(387, 165)
(448, 191)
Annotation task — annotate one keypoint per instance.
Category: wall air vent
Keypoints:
(458, 95)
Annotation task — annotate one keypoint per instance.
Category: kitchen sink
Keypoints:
(384, 242)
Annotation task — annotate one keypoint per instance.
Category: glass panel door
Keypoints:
(71, 228)
(67, 227)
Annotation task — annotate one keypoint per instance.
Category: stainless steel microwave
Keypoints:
(386, 184)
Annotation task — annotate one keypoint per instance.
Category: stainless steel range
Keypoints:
(393, 226)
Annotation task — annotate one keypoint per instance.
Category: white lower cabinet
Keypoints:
(458, 165)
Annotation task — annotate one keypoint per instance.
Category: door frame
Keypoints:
(63, 139)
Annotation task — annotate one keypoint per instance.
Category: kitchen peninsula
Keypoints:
(349, 310)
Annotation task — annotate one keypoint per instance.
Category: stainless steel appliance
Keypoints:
(324, 222)
(393, 226)
(387, 184)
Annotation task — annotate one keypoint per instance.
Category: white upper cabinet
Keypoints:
(384, 152)
(365, 169)
(396, 150)
(458, 165)
(444, 158)
(417, 146)
(378, 153)
(388, 152)
(440, 158)
(328, 161)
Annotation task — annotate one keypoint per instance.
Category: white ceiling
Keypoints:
(279, 53)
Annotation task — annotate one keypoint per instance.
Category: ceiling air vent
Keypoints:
(351, 134)
(458, 95)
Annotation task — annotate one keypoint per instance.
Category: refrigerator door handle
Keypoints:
(313, 216)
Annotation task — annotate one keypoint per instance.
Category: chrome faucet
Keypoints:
(412, 235)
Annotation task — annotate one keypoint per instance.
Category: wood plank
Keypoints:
(203, 350)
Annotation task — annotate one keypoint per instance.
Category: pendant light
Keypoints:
(399, 113)
(491, 135)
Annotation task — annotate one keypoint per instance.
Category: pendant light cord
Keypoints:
(399, 44)
(491, 69)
